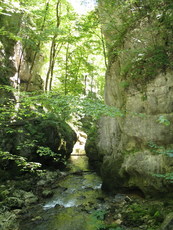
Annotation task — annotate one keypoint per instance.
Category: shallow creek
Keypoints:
(76, 197)
(77, 201)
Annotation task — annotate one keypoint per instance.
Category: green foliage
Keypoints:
(21, 123)
(167, 176)
(80, 62)
(99, 214)
(95, 108)
(163, 120)
(160, 149)
(139, 36)
(96, 220)
(21, 162)
(77, 38)
(64, 106)
(145, 64)
(46, 151)
(116, 228)
(168, 152)
(25, 144)
(158, 216)
(136, 215)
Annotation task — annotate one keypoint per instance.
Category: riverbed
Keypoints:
(76, 202)
(79, 203)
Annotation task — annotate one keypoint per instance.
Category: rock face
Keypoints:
(28, 69)
(135, 149)
(19, 66)
(47, 141)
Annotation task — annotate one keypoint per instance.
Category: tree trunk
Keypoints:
(66, 69)
(38, 46)
(53, 50)
(104, 49)
(53, 64)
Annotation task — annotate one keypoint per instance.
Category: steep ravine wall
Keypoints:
(18, 68)
(134, 149)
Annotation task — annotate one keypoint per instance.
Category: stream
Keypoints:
(77, 201)
(76, 198)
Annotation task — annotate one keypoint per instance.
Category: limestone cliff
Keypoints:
(20, 64)
(136, 148)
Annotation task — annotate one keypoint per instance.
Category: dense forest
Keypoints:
(104, 74)
(51, 60)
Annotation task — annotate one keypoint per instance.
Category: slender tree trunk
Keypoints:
(50, 66)
(19, 67)
(104, 49)
(38, 46)
(85, 82)
(101, 37)
(53, 50)
(92, 80)
(53, 64)
(66, 69)
(76, 74)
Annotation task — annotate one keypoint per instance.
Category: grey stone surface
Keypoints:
(123, 142)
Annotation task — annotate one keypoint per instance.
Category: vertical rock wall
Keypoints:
(137, 148)
(17, 66)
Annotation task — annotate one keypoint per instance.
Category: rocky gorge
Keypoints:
(134, 151)
(46, 181)
(73, 199)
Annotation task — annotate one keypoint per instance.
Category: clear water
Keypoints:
(77, 195)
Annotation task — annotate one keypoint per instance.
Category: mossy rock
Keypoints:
(28, 135)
